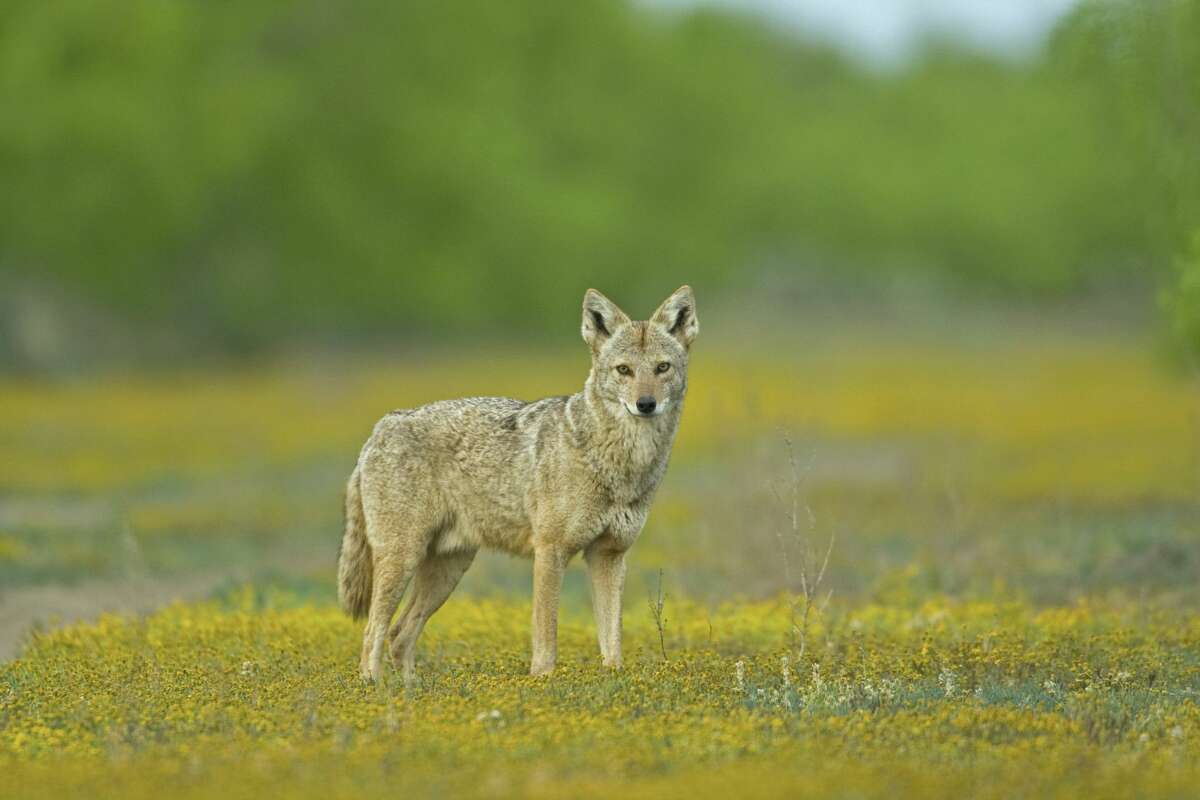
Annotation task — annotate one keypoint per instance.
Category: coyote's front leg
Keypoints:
(548, 566)
(607, 569)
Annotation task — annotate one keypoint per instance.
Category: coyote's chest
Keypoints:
(623, 524)
(630, 463)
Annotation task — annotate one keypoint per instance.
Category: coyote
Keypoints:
(546, 479)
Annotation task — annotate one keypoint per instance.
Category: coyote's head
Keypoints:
(640, 367)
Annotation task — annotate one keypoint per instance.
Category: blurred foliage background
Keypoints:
(184, 177)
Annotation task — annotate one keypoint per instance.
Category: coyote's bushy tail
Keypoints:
(354, 560)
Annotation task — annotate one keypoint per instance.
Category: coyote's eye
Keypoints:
(662, 367)
(624, 369)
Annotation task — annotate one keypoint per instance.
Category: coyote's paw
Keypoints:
(370, 673)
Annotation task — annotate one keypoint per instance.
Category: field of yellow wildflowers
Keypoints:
(1014, 586)
(254, 694)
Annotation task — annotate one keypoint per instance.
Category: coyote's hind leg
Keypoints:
(435, 579)
(394, 568)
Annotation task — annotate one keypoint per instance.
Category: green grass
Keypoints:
(1051, 467)
(1014, 582)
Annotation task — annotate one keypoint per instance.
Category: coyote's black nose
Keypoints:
(646, 404)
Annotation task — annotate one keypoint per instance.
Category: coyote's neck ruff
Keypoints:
(629, 454)
(547, 479)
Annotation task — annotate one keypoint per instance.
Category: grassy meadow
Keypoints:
(1008, 607)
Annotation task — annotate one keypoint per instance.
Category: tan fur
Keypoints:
(354, 558)
(547, 479)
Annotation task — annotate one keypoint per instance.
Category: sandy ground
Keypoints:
(25, 609)
(29, 608)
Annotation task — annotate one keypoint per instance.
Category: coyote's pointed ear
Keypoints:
(601, 318)
(678, 315)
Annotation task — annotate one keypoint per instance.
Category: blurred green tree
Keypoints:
(1146, 56)
(244, 172)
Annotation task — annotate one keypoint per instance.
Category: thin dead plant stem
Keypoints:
(804, 587)
(657, 600)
